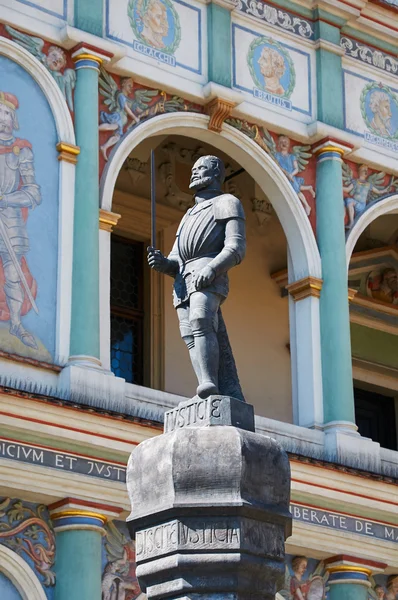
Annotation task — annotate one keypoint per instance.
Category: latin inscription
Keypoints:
(380, 141)
(177, 535)
(344, 523)
(59, 460)
(276, 100)
(163, 57)
(196, 412)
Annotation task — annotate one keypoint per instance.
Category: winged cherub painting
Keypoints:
(292, 161)
(124, 103)
(54, 61)
(362, 190)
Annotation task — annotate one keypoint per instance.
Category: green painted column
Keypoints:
(338, 396)
(84, 341)
(219, 37)
(89, 15)
(329, 73)
(78, 557)
(349, 577)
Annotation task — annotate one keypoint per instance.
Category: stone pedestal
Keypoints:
(210, 505)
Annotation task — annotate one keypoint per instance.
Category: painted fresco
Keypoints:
(163, 32)
(119, 581)
(8, 589)
(124, 104)
(26, 529)
(384, 587)
(54, 58)
(296, 161)
(305, 579)
(362, 188)
(269, 69)
(371, 110)
(28, 216)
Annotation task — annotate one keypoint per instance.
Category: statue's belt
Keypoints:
(195, 264)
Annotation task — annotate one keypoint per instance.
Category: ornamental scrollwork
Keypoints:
(277, 17)
(371, 56)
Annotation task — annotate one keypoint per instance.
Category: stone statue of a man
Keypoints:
(210, 240)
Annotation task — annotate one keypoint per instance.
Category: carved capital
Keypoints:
(309, 286)
(218, 110)
(68, 152)
(108, 220)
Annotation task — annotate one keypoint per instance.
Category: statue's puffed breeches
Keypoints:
(199, 315)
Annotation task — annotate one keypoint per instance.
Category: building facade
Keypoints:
(300, 100)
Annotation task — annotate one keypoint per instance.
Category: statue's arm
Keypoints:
(167, 265)
(234, 247)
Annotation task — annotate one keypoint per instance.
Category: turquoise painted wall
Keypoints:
(219, 44)
(89, 16)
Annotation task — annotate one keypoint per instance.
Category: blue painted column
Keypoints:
(349, 577)
(338, 396)
(84, 341)
(78, 558)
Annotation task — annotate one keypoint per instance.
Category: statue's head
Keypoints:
(207, 172)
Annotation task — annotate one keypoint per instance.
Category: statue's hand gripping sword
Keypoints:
(15, 262)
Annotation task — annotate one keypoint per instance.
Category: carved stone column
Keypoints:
(210, 505)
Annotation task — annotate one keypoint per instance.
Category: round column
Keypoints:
(84, 342)
(78, 554)
(349, 577)
(338, 397)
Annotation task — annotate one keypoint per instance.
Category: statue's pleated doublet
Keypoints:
(200, 237)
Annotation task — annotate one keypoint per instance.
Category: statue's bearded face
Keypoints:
(203, 174)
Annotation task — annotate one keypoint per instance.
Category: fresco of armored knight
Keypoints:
(19, 193)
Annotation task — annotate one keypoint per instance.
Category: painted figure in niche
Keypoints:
(380, 593)
(383, 285)
(362, 191)
(54, 61)
(19, 193)
(271, 67)
(392, 587)
(124, 104)
(119, 581)
(299, 587)
(379, 107)
(156, 23)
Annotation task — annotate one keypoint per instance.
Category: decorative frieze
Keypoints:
(277, 17)
(370, 56)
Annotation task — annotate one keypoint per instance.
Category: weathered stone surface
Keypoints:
(209, 511)
(215, 410)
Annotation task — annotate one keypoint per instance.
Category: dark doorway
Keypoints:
(375, 417)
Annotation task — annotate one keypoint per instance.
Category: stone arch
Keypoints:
(66, 185)
(21, 575)
(383, 207)
(267, 174)
(303, 255)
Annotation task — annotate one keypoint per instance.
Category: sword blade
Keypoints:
(15, 262)
(153, 200)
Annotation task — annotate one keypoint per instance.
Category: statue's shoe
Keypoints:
(21, 333)
(206, 389)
